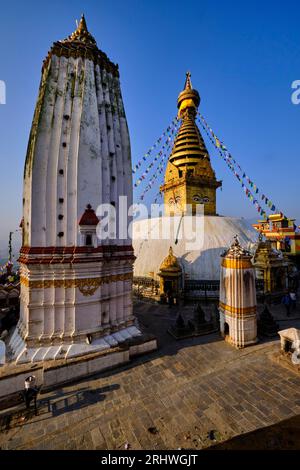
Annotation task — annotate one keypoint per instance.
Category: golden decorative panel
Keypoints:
(86, 286)
(242, 310)
(236, 263)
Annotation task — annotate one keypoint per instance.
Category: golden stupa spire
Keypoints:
(189, 145)
(82, 34)
(189, 178)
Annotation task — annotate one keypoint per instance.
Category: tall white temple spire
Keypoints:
(75, 286)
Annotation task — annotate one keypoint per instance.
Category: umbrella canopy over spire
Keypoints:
(188, 98)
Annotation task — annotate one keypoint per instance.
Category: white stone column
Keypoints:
(238, 296)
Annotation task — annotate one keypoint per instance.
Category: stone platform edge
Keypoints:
(55, 373)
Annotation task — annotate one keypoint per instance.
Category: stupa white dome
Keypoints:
(201, 262)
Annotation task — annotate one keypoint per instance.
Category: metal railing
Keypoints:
(192, 287)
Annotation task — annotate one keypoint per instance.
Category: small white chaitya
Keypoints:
(289, 340)
(238, 321)
(76, 290)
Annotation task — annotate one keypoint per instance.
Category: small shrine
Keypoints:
(180, 329)
(289, 340)
(238, 323)
(170, 274)
(199, 325)
(289, 354)
(272, 267)
(283, 234)
(87, 227)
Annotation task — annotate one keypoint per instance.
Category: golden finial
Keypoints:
(188, 98)
(188, 82)
(236, 250)
(170, 262)
(81, 34)
(82, 24)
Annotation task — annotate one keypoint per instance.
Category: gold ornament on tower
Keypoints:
(170, 273)
(189, 177)
(237, 307)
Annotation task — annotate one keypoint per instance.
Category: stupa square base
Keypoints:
(23, 351)
(57, 372)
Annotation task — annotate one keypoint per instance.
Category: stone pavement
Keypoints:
(189, 394)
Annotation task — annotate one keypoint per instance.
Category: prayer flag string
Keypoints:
(241, 176)
(169, 131)
(160, 156)
(160, 167)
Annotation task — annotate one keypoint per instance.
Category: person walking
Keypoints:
(293, 298)
(30, 392)
(286, 300)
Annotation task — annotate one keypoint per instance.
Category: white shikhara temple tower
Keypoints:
(75, 288)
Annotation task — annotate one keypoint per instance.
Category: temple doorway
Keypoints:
(168, 286)
(226, 329)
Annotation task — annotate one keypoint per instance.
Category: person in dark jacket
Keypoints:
(286, 300)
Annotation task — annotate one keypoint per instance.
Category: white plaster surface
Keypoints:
(40, 353)
(79, 153)
(238, 305)
(200, 263)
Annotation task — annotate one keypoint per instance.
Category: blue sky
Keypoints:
(243, 57)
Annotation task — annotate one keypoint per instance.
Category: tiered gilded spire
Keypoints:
(189, 178)
(81, 34)
(189, 147)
